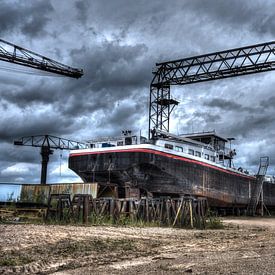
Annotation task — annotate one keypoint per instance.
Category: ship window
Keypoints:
(212, 158)
(120, 143)
(106, 144)
(169, 146)
(191, 152)
(179, 149)
(206, 156)
(198, 154)
(128, 141)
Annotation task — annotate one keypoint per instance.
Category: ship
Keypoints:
(193, 164)
(196, 164)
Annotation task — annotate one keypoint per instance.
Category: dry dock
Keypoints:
(243, 247)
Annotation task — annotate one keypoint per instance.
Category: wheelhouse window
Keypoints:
(206, 156)
(198, 154)
(128, 141)
(191, 152)
(120, 143)
(168, 146)
(179, 149)
(212, 158)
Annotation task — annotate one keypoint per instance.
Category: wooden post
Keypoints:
(112, 209)
(191, 213)
(161, 212)
(60, 208)
(262, 202)
(147, 209)
(131, 210)
(168, 211)
(178, 212)
(85, 209)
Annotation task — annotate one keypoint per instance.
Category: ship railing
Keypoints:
(104, 139)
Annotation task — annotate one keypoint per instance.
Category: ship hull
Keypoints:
(164, 173)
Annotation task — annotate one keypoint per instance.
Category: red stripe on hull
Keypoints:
(169, 155)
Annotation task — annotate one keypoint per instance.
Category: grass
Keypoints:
(67, 248)
(96, 220)
(15, 260)
(124, 221)
(214, 221)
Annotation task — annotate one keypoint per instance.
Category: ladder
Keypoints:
(257, 189)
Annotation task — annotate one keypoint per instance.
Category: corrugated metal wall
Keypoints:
(37, 193)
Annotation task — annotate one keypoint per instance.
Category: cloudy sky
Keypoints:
(117, 43)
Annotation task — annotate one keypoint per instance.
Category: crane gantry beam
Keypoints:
(15, 54)
(47, 143)
(213, 66)
(52, 142)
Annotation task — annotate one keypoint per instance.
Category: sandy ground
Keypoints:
(245, 246)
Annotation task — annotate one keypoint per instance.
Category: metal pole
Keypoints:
(45, 153)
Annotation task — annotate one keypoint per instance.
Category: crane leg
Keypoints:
(45, 153)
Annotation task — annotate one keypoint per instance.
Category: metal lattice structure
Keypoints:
(218, 65)
(257, 189)
(15, 54)
(52, 142)
(47, 143)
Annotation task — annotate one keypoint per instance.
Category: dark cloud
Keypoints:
(15, 154)
(229, 105)
(268, 103)
(33, 122)
(236, 13)
(28, 95)
(208, 116)
(114, 65)
(250, 125)
(113, 72)
(82, 11)
(23, 16)
(117, 44)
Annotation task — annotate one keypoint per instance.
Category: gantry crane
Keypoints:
(15, 54)
(218, 65)
(47, 144)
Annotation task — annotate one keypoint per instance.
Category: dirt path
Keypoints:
(256, 222)
(245, 246)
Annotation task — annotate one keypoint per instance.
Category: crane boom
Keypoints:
(52, 142)
(213, 66)
(15, 54)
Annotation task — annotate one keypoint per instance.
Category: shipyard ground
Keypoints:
(244, 246)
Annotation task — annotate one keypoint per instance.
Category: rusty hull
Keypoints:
(168, 176)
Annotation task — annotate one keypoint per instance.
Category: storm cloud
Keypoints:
(117, 43)
(24, 17)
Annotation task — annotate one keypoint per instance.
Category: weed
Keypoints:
(10, 197)
(14, 260)
(67, 248)
(213, 221)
